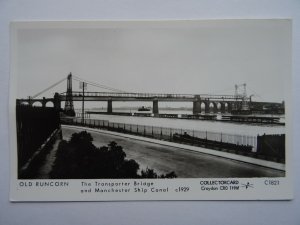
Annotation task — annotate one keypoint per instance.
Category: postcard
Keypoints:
(151, 110)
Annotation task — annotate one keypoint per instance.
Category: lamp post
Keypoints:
(82, 85)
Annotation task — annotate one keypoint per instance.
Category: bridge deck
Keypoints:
(104, 96)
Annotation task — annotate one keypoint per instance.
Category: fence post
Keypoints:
(152, 132)
(205, 138)
(161, 133)
(193, 137)
(144, 131)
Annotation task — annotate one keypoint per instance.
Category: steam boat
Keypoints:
(144, 109)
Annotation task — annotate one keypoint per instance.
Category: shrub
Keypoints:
(80, 159)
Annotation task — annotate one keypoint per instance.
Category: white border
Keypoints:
(262, 192)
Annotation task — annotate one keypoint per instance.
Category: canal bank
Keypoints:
(150, 150)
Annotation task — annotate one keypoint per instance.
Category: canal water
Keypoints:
(197, 125)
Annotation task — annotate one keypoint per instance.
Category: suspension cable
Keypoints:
(98, 85)
(256, 94)
(48, 88)
(221, 91)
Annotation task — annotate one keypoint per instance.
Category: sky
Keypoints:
(203, 57)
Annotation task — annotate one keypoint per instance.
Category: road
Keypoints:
(185, 163)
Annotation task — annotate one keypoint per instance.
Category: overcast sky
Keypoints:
(206, 57)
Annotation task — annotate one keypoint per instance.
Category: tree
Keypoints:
(79, 158)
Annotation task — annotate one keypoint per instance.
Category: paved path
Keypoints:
(46, 168)
(185, 163)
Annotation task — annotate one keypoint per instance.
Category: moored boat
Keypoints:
(143, 108)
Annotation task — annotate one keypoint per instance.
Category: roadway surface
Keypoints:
(185, 163)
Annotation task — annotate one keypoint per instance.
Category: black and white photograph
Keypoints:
(151, 101)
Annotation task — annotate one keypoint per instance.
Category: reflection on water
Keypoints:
(201, 125)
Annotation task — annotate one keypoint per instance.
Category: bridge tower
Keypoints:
(241, 106)
(69, 107)
(245, 103)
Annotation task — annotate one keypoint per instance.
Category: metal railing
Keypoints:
(152, 95)
(165, 133)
